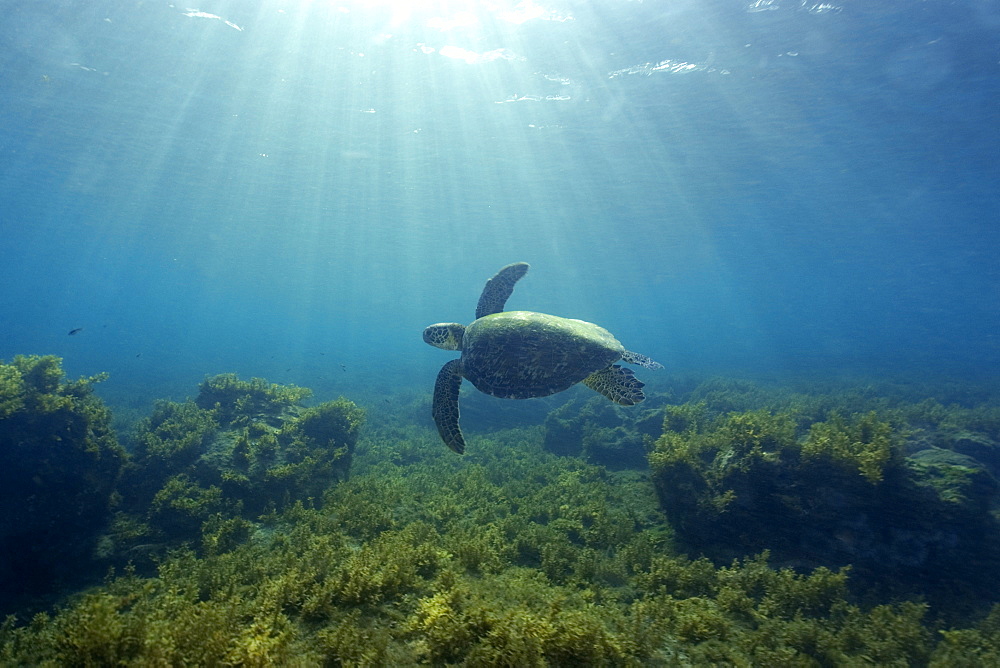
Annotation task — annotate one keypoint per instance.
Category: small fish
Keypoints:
(74, 332)
(344, 367)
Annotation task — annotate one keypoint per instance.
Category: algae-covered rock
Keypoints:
(61, 461)
(978, 446)
(603, 433)
(296, 461)
(954, 478)
(840, 493)
(235, 400)
(514, 558)
(238, 450)
(564, 430)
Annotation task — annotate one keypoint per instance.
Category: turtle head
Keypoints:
(445, 335)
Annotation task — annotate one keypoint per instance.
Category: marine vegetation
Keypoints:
(234, 400)
(833, 492)
(514, 558)
(511, 556)
(604, 433)
(239, 449)
(61, 462)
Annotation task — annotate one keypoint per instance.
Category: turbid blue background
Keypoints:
(294, 189)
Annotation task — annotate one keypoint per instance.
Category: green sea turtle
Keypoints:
(523, 354)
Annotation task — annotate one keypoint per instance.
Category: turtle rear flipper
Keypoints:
(616, 383)
(499, 288)
(445, 409)
(641, 360)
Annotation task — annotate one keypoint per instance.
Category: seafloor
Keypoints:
(721, 522)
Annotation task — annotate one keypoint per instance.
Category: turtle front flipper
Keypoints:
(445, 409)
(499, 288)
(616, 383)
(641, 360)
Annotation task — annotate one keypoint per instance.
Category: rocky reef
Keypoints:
(239, 449)
(198, 472)
(781, 506)
(61, 463)
(858, 489)
(604, 433)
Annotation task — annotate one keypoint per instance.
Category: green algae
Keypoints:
(818, 485)
(511, 557)
(236, 400)
(602, 432)
(237, 450)
(304, 589)
(61, 462)
(864, 443)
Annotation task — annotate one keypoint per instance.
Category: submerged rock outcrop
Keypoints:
(834, 493)
(60, 465)
(239, 449)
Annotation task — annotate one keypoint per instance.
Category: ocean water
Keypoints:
(279, 188)
(294, 189)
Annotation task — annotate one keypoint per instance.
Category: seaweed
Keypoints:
(302, 589)
(255, 449)
(242, 401)
(829, 493)
(602, 432)
(865, 443)
(515, 556)
(61, 463)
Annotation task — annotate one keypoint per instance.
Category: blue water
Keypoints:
(294, 189)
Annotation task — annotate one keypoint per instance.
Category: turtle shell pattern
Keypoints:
(523, 354)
